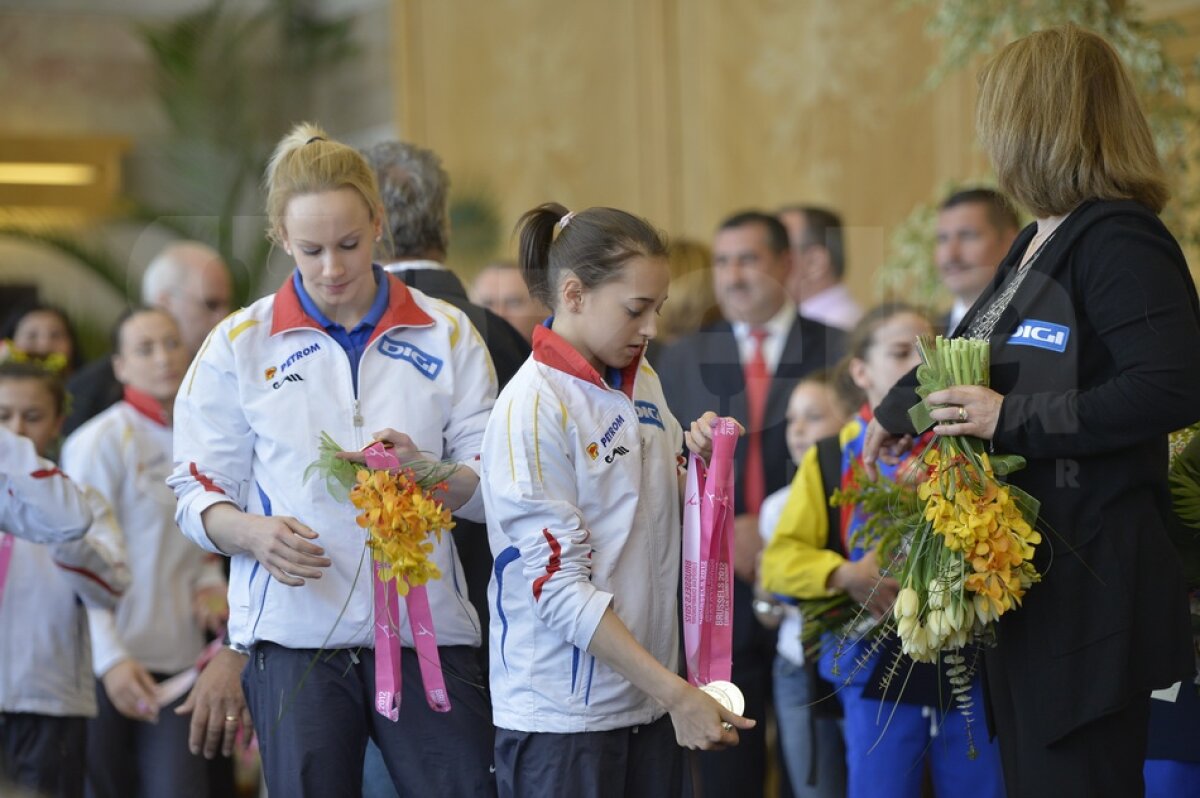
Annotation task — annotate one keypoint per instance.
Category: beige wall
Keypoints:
(686, 110)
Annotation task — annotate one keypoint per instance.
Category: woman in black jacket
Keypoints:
(1095, 334)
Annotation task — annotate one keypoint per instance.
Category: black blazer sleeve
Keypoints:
(893, 410)
(1133, 286)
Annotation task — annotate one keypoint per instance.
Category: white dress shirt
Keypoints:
(777, 327)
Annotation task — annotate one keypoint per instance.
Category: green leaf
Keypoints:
(1005, 464)
(920, 417)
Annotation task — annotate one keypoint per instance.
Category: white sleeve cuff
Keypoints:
(107, 650)
(590, 617)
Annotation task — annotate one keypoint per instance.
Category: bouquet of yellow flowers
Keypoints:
(396, 508)
(400, 515)
(969, 558)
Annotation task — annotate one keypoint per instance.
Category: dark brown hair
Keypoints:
(861, 339)
(1000, 211)
(34, 370)
(594, 245)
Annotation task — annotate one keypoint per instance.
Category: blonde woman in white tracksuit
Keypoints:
(582, 471)
(342, 348)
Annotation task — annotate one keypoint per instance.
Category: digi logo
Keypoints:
(1041, 335)
(647, 413)
(396, 349)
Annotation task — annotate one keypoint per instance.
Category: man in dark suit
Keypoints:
(746, 367)
(975, 228)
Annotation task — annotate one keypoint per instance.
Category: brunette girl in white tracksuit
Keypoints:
(582, 489)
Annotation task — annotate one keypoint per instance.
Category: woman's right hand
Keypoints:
(282, 545)
(697, 718)
(883, 445)
(132, 690)
(279, 542)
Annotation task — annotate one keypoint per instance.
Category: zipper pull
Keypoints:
(358, 419)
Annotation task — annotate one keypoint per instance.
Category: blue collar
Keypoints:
(369, 321)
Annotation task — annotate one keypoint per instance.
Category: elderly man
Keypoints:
(746, 367)
(975, 229)
(817, 281)
(188, 280)
(414, 187)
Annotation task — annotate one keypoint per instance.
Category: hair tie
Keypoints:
(315, 138)
(567, 217)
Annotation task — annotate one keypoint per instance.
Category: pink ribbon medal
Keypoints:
(708, 560)
(387, 627)
(6, 553)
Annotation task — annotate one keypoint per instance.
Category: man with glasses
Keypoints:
(188, 280)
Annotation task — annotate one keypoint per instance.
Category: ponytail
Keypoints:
(594, 245)
(536, 234)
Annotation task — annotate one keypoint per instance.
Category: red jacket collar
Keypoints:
(147, 405)
(402, 310)
(551, 349)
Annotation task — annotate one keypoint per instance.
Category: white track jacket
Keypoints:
(37, 501)
(124, 453)
(45, 652)
(248, 418)
(581, 487)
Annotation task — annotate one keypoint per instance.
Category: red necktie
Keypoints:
(758, 383)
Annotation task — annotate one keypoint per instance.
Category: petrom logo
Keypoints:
(298, 355)
(648, 413)
(593, 450)
(611, 433)
(1042, 335)
(425, 363)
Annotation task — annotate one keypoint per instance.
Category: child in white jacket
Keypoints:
(46, 687)
(137, 745)
(582, 490)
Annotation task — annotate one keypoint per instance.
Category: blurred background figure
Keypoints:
(975, 228)
(501, 289)
(816, 283)
(692, 303)
(189, 281)
(44, 330)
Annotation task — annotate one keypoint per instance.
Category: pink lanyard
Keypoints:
(387, 630)
(6, 553)
(708, 560)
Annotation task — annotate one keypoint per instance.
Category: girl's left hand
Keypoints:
(398, 443)
(969, 410)
(699, 437)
